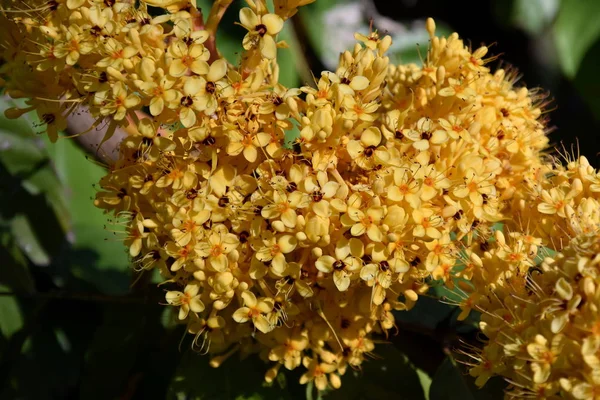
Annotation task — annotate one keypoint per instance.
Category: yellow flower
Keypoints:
(261, 31)
(427, 223)
(255, 310)
(284, 207)
(346, 262)
(318, 373)
(51, 114)
(118, 55)
(440, 252)
(273, 249)
(217, 247)
(74, 45)
(289, 349)
(543, 357)
(458, 88)
(161, 93)
(425, 135)
(117, 102)
(187, 225)
(185, 59)
(365, 222)
(475, 187)
(365, 152)
(246, 144)
(188, 300)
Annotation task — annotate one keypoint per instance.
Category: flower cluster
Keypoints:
(542, 323)
(538, 318)
(299, 249)
(559, 202)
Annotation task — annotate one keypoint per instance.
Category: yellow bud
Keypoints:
(430, 26)
(14, 113)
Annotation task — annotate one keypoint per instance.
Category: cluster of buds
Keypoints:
(300, 249)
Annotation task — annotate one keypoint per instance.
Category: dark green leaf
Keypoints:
(47, 353)
(588, 85)
(287, 58)
(97, 255)
(11, 319)
(15, 273)
(390, 376)
(234, 380)
(533, 15)
(575, 31)
(27, 240)
(427, 313)
(452, 382)
(112, 352)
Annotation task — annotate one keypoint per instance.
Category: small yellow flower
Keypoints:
(217, 247)
(261, 31)
(274, 248)
(188, 300)
(346, 262)
(317, 372)
(246, 144)
(255, 310)
(426, 135)
(186, 59)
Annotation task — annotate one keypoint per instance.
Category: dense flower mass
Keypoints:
(300, 249)
(542, 323)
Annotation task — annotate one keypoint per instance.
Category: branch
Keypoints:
(80, 121)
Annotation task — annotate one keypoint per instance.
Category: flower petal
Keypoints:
(248, 18)
(273, 22)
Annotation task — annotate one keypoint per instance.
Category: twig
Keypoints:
(216, 14)
(212, 23)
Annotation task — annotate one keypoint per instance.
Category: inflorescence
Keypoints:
(301, 250)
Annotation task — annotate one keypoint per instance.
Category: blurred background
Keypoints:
(75, 323)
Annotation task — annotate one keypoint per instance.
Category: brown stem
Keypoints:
(212, 23)
(80, 121)
(216, 14)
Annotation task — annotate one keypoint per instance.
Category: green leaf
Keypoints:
(389, 376)
(112, 352)
(234, 380)
(26, 158)
(15, 273)
(28, 241)
(534, 15)
(452, 382)
(96, 256)
(330, 26)
(287, 58)
(47, 358)
(588, 85)
(575, 31)
(19, 151)
(30, 219)
(11, 319)
(427, 313)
